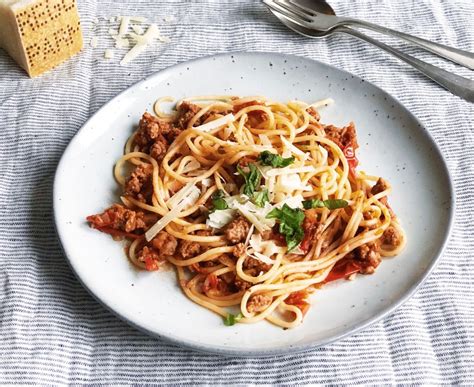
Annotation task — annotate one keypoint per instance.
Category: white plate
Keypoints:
(393, 144)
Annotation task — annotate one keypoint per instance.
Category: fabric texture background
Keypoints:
(53, 331)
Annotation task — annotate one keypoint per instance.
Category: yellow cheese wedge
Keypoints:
(40, 34)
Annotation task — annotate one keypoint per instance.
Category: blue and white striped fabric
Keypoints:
(53, 332)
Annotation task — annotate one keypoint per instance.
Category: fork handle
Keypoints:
(460, 86)
(464, 58)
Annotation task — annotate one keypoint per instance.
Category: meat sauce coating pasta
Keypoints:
(256, 203)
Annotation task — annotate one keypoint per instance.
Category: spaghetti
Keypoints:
(256, 204)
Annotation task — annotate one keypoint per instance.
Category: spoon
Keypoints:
(456, 84)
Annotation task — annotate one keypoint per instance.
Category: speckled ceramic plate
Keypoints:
(393, 144)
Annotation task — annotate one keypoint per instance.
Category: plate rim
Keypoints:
(282, 350)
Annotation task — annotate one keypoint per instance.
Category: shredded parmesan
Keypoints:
(108, 54)
(164, 39)
(263, 258)
(181, 204)
(94, 41)
(216, 123)
(289, 170)
(137, 29)
(141, 45)
(323, 102)
(123, 29)
(265, 140)
(293, 182)
(220, 218)
(293, 149)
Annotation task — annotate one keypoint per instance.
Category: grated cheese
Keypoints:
(323, 102)
(164, 39)
(289, 170)
(220, 218)
(137, 29)
(256, 215)
(94, 41)
(108, 54)
(125, 21)
(293, 182)
(142, 43)
(290, 147)
(181, 204)
(190, 196)
(169, 19)
(216, 123)
(265, 140)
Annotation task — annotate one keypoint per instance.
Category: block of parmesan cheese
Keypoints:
(39, 34)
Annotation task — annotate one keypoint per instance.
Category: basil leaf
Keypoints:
(252, 179)
(231, 319)
(218, 201)
(260, 198)
(331, 204)
(276, 161)
(290, 224)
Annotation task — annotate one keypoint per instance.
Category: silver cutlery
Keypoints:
(306, 19)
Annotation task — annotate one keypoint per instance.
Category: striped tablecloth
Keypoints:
(52, 331)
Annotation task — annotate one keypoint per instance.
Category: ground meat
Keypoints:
(313, 113)
(189, 249)
(139, 184)
(159, 148)
(165, 244)
(149, 130)
(237, 230)
(241, 285)
(245, 161)
(239, 250)
(148, 254)
(258, 302)
(343, 137)
(369, 257)
(118, 217)
(186, 111)
(391, 237)
(154, 135)
(380, 186)
(258, 266)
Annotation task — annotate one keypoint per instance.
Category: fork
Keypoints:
(305, 21)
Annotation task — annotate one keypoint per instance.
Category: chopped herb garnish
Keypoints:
(332, 204)
(218, 201)
(276, 161)
(252, 179)
(291, 220)
(261, 197)
(231, 319)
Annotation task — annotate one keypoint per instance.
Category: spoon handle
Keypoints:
(460, 86)
(464, 58)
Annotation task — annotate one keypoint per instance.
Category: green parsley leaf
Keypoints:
(231, 319)
(332, 204)
(276, 161)
(218, 201)
(260, 198)
(291, 220)
(252, 179)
